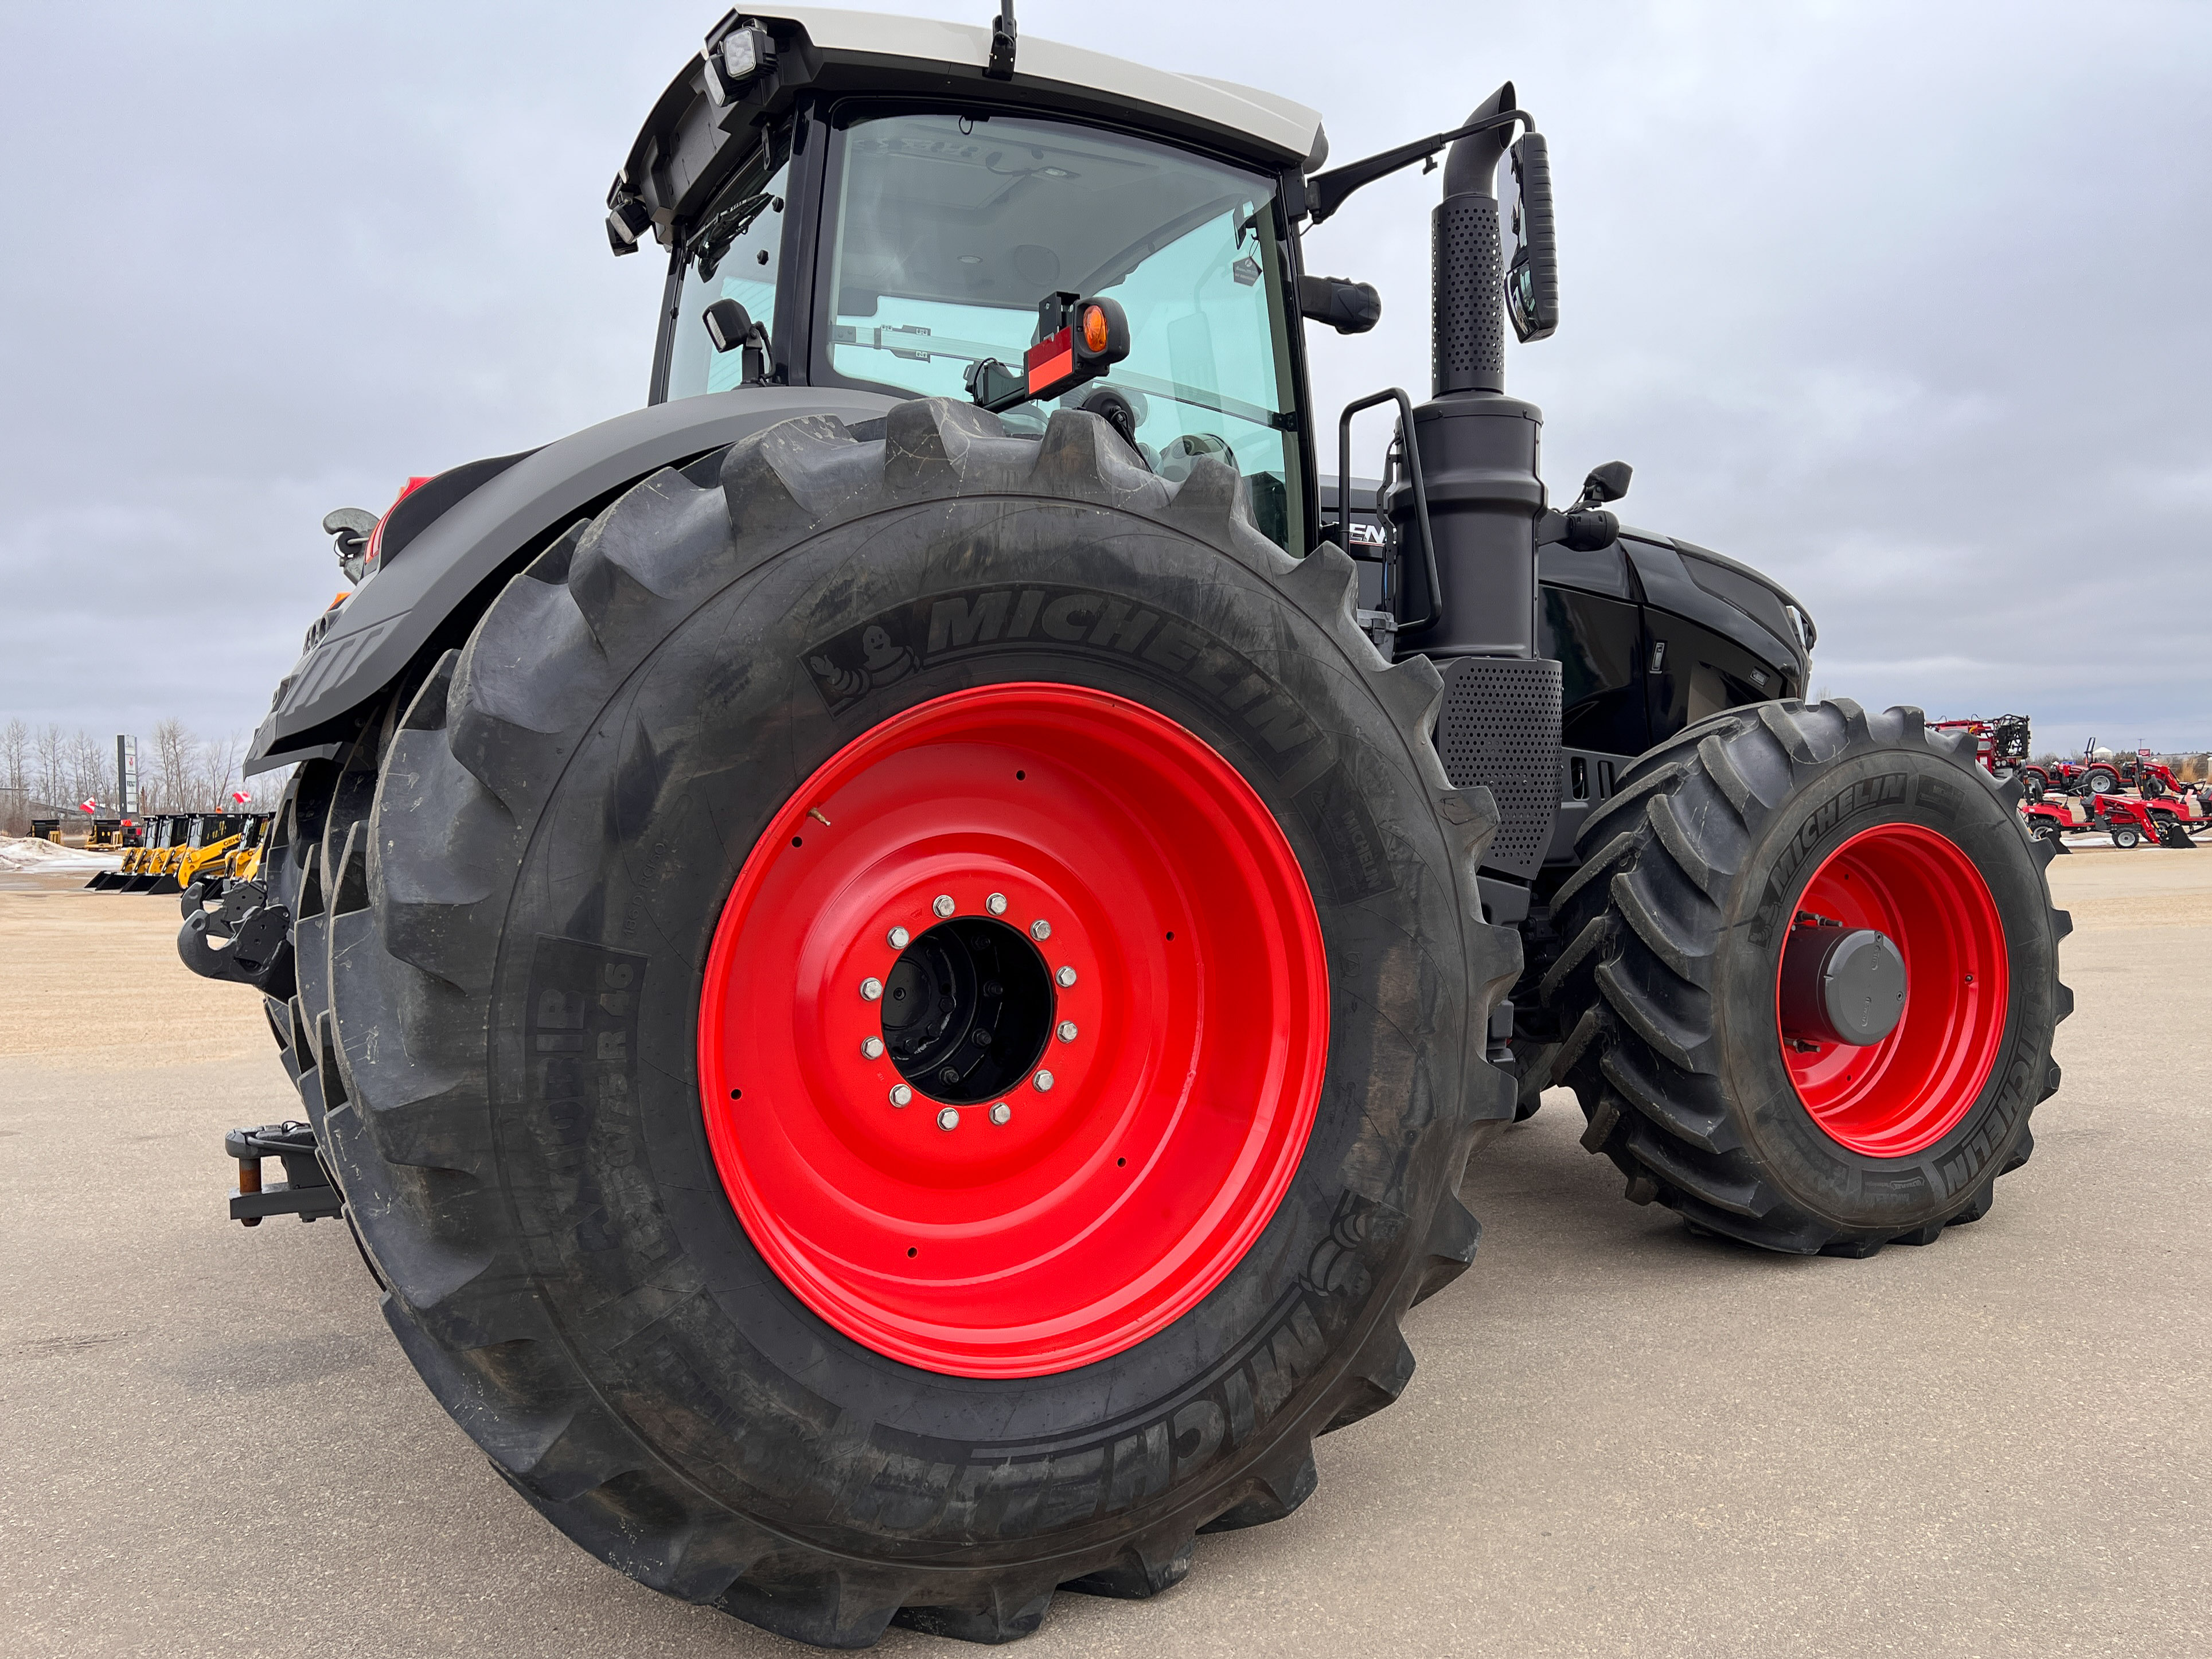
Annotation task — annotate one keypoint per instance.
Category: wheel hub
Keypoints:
(967, 1010)
(1893, 989)
(1840, 984)
(1013, 1031)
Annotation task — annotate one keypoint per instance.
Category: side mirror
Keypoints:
(729, 325)
(1606, 484)
(1347, 307)
(1532, 273)
(1587, 527)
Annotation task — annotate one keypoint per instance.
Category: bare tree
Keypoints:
(170, 782)
(14, 779)
(15, 756)
(51, 781)
(218, 771)
(90, 765)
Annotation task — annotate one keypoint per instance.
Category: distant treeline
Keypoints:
(49, 768)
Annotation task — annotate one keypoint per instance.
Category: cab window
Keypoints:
(732, 253)
(949, 229)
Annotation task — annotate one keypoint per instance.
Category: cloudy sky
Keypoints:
(1904, 303)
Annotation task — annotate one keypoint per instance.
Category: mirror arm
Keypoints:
(1325, 191)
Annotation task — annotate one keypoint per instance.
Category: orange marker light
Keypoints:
(1095, 331)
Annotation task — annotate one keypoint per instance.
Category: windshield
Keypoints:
(733, 254)
(952, 229)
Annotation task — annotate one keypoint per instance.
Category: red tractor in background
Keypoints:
(2165, 809)
(2054, 776)
(2134, 819)
(2052, 819)
(2001, 747)
(2101, 772)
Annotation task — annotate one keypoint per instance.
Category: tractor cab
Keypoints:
(830, 234)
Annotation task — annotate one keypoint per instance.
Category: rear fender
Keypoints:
(439, 581)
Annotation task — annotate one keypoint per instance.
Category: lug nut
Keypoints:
(1042, 1081)
(898, 937)
(900, 1094)
(871, 1047)
(942, 904)
(1067, 1030)
(949, 1118)
(1040, 929)
(1064, 978)
(996, 904)
(1002, 1112)
(871, 989)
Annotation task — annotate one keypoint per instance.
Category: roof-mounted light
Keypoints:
(628, 221)
(736, 49)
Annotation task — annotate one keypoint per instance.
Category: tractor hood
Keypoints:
(689, 143)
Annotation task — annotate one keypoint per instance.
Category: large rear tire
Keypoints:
(585, 996)
(1715, 848)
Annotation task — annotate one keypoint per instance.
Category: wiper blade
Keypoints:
(712, 239)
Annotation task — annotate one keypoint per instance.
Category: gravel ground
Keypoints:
(1621, 1439)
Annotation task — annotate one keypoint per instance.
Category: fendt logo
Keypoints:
(946, 627)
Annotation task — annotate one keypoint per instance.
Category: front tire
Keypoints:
(587, 1052)
(1714, 849)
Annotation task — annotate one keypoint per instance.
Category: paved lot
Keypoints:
(1621, 1439)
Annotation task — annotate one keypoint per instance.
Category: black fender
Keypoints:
(394, 613)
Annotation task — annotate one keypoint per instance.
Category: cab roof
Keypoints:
(687, 144)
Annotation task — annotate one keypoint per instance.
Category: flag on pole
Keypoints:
(92, 806)
(240, 796)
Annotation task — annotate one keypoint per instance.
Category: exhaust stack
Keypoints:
(1466, 333)
(1478, 448)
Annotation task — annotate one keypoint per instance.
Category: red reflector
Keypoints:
(372, 555)
(1050, 361)
(1051, 372)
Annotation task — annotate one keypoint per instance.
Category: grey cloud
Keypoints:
(1903, 303)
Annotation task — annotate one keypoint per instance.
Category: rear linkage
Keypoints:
(233, 933)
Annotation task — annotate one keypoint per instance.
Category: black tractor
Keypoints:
(895, 957)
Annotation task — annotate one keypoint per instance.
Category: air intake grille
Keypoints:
(1500, 728)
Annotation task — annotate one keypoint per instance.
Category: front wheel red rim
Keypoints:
(1075, 875)
(1904, 1093)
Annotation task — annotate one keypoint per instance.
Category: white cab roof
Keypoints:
(1283, 122)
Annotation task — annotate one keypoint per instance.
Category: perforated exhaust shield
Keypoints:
(1500, 728)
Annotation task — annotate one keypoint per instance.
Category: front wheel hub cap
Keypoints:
(1893, 990)
(1841, 985)
(1018, 868)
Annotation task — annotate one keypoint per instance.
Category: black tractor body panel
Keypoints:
(1649, 634)
(437, 585)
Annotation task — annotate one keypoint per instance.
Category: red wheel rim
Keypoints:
(1103, 1208)
(1894, 1097)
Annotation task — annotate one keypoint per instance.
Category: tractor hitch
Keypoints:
(307, 1190)
(245, 940)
